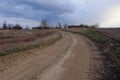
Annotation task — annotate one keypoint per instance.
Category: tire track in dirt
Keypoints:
(74, 65)
(57, 70)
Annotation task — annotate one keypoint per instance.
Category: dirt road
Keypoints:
(67, 59)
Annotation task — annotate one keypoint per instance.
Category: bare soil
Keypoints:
(110, 32)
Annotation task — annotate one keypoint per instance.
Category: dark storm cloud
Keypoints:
(65, 11)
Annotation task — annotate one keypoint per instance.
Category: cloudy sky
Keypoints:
(30, 12)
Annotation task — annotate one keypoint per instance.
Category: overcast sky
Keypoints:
(30, 12)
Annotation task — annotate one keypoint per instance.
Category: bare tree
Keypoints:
(9, 26)
(65, 25)
(59, 25)
(95, 25)
(44, 23)
(4, 25)
(27, 27)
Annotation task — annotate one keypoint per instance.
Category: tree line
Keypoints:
(11, 26)
(83, 26)
(45, 25)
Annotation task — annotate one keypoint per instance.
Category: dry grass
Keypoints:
(14, 41)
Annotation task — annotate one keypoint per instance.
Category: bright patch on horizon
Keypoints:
(111, 18)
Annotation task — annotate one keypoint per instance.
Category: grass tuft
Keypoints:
(94, 36)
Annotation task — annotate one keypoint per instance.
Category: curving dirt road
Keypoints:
(67, 59)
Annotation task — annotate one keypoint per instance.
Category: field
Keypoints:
(77, 54)
(13, 41)
(111, 32)
(112, 37)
